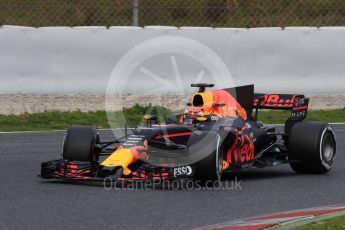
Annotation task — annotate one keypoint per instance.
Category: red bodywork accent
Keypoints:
(142, 176)
(246, 149)
(276, 101)
(71, 171)
(231, 107)
(174, 135)
(300, 108)
(139, 153)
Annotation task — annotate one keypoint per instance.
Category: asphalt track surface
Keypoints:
(28, 202)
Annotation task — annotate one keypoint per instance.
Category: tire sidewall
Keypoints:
(79, 142)
(305, 147)
(209, 168)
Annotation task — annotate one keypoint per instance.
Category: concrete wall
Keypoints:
(81, 59)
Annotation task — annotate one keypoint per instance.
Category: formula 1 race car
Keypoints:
(219, 132)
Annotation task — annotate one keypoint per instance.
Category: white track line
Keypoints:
(50, 131)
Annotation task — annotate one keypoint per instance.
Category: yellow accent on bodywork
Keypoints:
(122, 157)
(201, 118)
(226, 165)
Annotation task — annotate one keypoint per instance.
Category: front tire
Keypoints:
(210, 168)
(311, 147)
(80, 142)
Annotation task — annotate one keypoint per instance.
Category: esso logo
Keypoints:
(183, 171)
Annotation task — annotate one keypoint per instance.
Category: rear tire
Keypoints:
(311, 147)
(79, 144)
(210, 168)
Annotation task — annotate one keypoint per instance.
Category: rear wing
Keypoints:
(297, 103)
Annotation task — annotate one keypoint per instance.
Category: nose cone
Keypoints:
(122, 157)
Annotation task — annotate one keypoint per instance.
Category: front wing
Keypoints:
(92, 171)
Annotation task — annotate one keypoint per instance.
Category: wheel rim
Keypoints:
(219, 160)
(328, 148)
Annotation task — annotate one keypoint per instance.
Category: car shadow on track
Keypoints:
(258, 174)
(73, 183)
